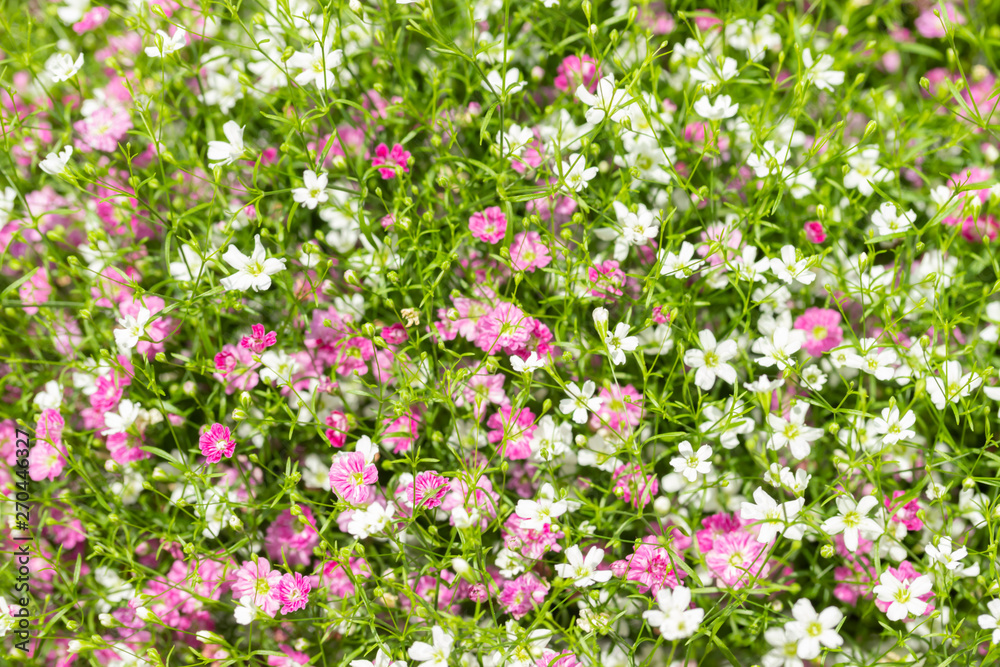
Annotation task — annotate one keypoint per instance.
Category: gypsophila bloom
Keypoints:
(436, 654)
(55, 163)
(853, 520)
(674, 618)
(313, 192)
(690, 464)
(62, 66)
(164, 44)
(254, 271)
(711, 361)
(903, 598)
(217, 443)
(814, 631)
(991, 621)
(222, 153)
(583, 571)
(579, 402)
(619, 342)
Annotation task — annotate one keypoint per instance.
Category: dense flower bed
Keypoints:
(537, 334)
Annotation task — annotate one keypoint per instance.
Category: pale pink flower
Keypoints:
(528, 253)
(351, 477)
(259, 581)
(489, 225)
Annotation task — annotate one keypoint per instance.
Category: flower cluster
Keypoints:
(542, 333)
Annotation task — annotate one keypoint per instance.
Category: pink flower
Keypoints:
(822, 329)
(259, 581)
(736, 558)
(351, 477)
(651, 567)
(396, 158)
(292, 538)
(931, 26)
(634, 487)
(337, 433)
(36, 290)
(523, 594)
(512, 432)
(528, 253)
(217, 442)
(426, 490)
(489, 225)
(102, 130)
(506, 326)
(815, 232)
(92, 19)
(293, 592)
(258, 341)
(574, 71)
(483, 389)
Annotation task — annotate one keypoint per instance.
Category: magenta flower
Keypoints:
(293, 592)
(389, 160)
(814, 231)
(258, 341)
(217, 442)
(489, 225)
(822, 329)
(523, 594)
(351, 476)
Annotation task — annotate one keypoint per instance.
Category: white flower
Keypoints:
(583, 571)
(318, 66)
(789, 269)
(381, 659)
(712, 73)
(674, 618)
(680, 265)
(953, 386)
(435, 655)
(763, 385)
(529, 365)
(904, 598)
(188, 267)
(711, 360)
(128, 413)
(865, 171)
(72, 11)
(786, 648)
(819, 73)
(989, 621)
(222, 153)
(793, 432)
(254, 271)
(247, 611)
(814, 630)
(619, 342)
(50, 397)
(774, 519)
(721, 108)
(372, 520)
(637, 228)
(607, 101)
(888, 221)
(874, 360)
(942, 553)
(576, 174)
(55, 163)
(537, 514)
(7, 620)
(853, 521)
(61, 66)
(133, 328)
(164, 44)
(579, 401)
(314, 190)
(505, 85)
(778, 348)
(690, 464)
(894, 427)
